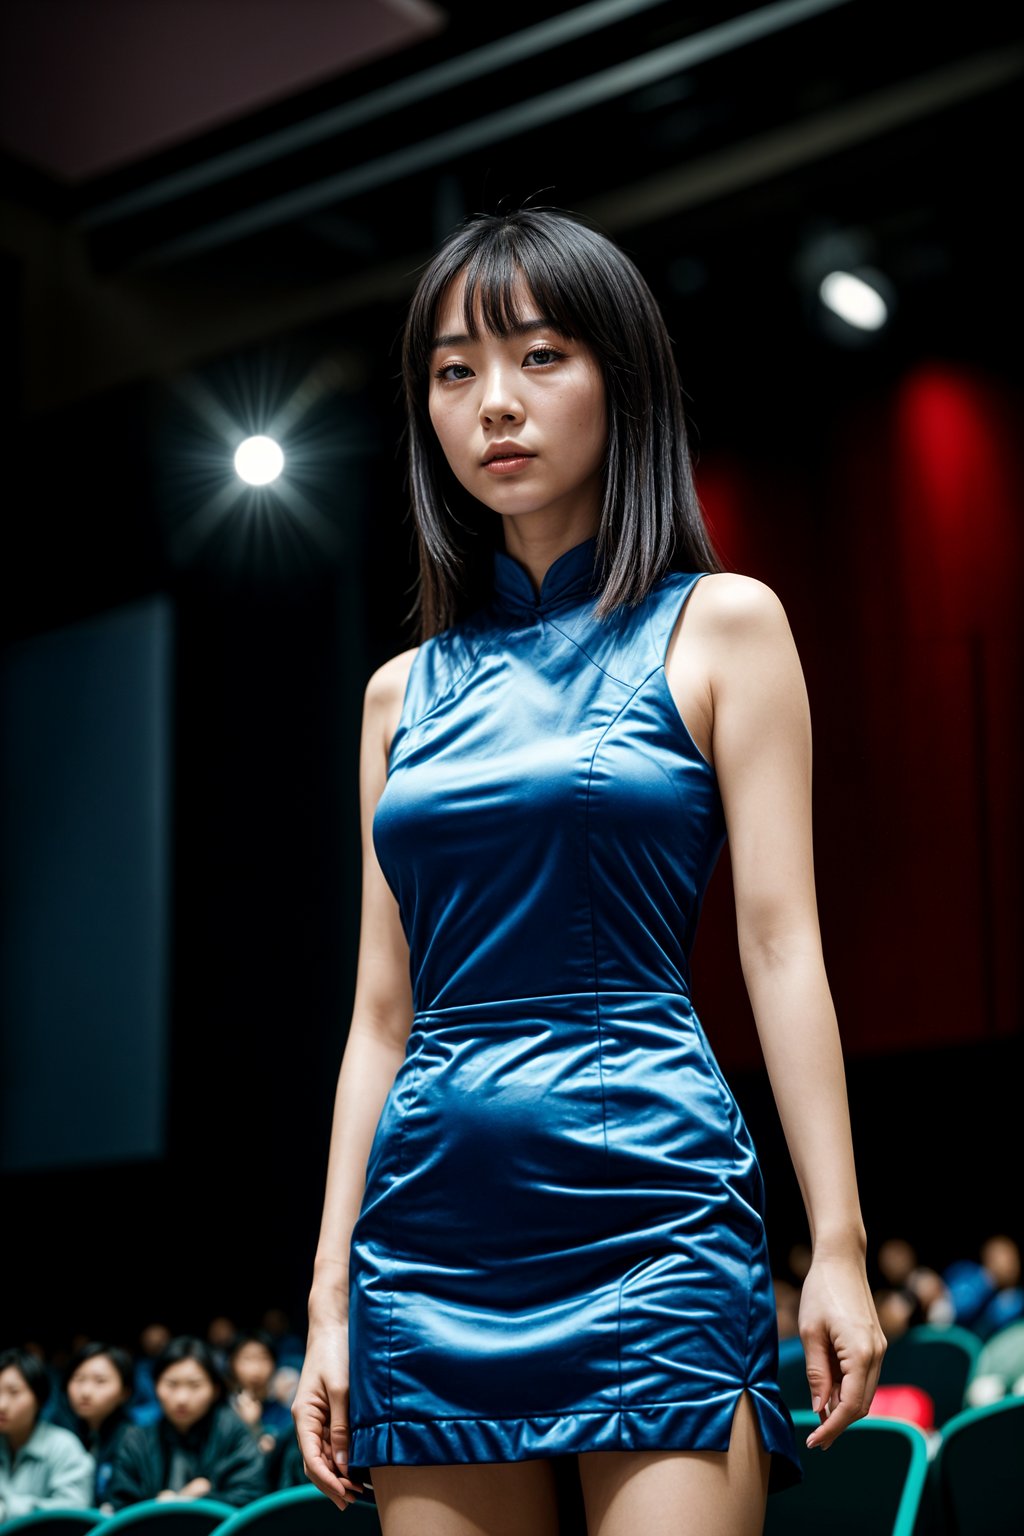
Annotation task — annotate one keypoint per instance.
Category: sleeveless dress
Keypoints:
(561, 1245)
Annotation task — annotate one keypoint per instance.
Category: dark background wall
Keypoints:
(153, 320)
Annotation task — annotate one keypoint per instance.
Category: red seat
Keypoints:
(899, 1401)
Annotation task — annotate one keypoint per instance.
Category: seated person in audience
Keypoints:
(145, 1405)
(220, 1334)
(251, 1365)
(42, 1465)
(283, 1386)
(906, 1289)
(896, 1312)
(1000, 1259)
(999, 1369)
(99, 1383)
(290, 1348)
(199, 1448)
(285, 1467)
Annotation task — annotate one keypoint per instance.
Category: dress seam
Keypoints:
(391, 1294)
(597, 1009)
(584, 652)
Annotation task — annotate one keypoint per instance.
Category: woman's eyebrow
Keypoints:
(538, 323)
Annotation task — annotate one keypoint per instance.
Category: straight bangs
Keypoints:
(590, 291)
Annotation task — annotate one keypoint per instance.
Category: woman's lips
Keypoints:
(507, 466)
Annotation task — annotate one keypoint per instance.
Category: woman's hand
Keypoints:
(248, 1407)
(320, 1412)
(843, 1342)
(198, 1488)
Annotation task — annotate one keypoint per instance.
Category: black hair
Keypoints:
(651, 517)
(187, 1347)
(33, 1369)
(119, 1358)
(253, 1336)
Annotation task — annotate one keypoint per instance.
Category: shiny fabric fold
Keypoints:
(561, 1244)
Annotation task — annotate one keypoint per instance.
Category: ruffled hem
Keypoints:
(659, 1427)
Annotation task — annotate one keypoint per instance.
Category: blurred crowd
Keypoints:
(180, 1417)
(979, 1300)
(983, 1295)
(185, 1417)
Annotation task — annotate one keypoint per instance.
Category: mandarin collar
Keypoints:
(567, 578)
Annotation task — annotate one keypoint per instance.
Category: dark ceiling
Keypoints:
(715, 142)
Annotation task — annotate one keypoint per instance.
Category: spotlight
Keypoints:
(854, 299)
(259, 460)
(847, 298)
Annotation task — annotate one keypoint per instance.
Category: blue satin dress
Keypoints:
(561, 1245)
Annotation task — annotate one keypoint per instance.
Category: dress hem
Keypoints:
(440, 1441)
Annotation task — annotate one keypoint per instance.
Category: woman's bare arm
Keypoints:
(381, 1013)
(761, 737)
(378, 1034)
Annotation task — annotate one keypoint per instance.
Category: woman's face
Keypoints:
(18, 1406)
(185, 1392)
(253, 1365)
(540, 390)
(95, 1390)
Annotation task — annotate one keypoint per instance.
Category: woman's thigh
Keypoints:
(479, 1499)
(680, 1493)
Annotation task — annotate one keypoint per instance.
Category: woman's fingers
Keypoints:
(317, 1456)
(851, 1387)
(823, 1376)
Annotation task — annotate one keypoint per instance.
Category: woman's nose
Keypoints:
(500, 397)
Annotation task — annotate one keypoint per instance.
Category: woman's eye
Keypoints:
(441, 372)
(544, 352)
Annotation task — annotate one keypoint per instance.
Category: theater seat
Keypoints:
(302, 1511)
(869, 1480)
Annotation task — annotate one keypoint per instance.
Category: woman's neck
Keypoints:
(18, 1441)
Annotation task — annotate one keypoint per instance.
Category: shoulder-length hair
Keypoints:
(651, 517)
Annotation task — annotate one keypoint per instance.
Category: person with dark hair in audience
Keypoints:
(199, 1448)
(252, 1360)
(145, 1405)
(42, 1465)
(99, 1383)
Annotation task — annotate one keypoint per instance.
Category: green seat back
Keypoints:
(301, 1511)
(166, 1517)
(52, 1522)
(979, 1469)
(868, 1483)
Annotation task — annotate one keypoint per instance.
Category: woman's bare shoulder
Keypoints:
(733, 603)
(385, 695)
(388, 681)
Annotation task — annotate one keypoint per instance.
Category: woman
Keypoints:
(198, 1449)
(252, 1363)
(100, 1383)
(542, 1252)
(42, 1465)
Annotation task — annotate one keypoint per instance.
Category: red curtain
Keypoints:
(895, 544)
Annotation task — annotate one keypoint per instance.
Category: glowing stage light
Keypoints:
(259, 460)
(854, 300)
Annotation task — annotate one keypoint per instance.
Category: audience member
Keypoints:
(199, 1448)
(145, 1405)
(99, 1383)
(220, 1331)
(291, 1349)
(42, 1465)
(251, 1365)
(1000, 1259)
(999, 1369)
